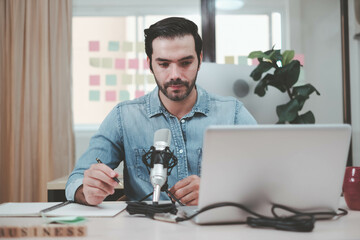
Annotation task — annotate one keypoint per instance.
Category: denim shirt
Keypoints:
(128, 132)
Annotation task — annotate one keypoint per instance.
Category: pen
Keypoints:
(115, 179)
(55, 207)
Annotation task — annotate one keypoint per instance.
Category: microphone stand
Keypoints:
(171, 162)
(164, 188)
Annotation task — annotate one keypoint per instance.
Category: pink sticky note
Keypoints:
(139, 93)
(146, 66)
(255, 62)
(94, 46)
(110, 96)
(120, 63)
(94, 80)
(300, 58)
(134, 63)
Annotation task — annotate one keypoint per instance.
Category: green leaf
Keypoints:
(275, 56)
(260, 69)
(288, 112)
(306, 118)
(301, 100)
(305, 90)
(288, 55)
(289, 73)
(257, 54)
(261, 87)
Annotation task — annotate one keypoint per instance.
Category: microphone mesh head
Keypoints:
(163, 135)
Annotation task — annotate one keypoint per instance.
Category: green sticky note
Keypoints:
(113, 46)
(94, 62)
(124, 95)
(110, 80)
(94, 95)
(150, 79)
(139, 79)
(126, 79)
(66, 220)
(127, 47)
(106, 63)
(243, 60)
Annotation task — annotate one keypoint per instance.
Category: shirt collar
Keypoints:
(155, 107)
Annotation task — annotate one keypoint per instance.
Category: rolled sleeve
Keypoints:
(73, 183)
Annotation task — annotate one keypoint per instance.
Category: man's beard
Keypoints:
(178, 81)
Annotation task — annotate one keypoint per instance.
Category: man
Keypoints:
(174, 53)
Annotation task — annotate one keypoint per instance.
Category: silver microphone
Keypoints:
(158, 172)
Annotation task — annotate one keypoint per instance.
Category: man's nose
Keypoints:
(174, 72)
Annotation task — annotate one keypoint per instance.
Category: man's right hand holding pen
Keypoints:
(98, 183)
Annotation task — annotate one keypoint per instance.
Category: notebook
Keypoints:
(300, 166)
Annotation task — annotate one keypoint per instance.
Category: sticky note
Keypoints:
(229, 59)
(110, 96)
(120, 63)
(94, 46)
(94, 95)
(94, 62)
(106, 63)
(124, 95)
(139, 79)
(140, 47)
(110, 80)
(242, 60)
(255, 62)
(150, 79)
(145, 64)
(127, 46)
(94, 80)
(113, 46)
(126, 79)
(139, 93)
(134, 63)
(300, 58)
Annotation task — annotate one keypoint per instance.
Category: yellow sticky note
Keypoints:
(139, 79)
(126, 79)
(140, 47)
(150, 79)
(127, 47)
(229, 59)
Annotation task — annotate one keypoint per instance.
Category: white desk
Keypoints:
(129, 227)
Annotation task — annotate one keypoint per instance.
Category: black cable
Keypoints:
(298, 221)
(149, 209)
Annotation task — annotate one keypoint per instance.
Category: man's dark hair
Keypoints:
(170, 28)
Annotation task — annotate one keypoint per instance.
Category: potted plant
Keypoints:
(284, 77)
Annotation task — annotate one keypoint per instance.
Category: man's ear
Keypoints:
(149, 64)
(200, 61)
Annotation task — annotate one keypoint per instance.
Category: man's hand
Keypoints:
(97, 184)
(187, 190)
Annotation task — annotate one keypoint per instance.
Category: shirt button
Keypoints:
(181, 151)
(182, 121)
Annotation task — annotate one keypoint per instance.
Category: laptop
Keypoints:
(299, 166)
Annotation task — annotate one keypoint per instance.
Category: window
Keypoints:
(109, 60)
(238, 35)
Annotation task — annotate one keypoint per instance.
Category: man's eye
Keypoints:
(164, 64)
(186, 63)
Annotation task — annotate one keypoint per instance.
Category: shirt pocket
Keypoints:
(141, 170)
